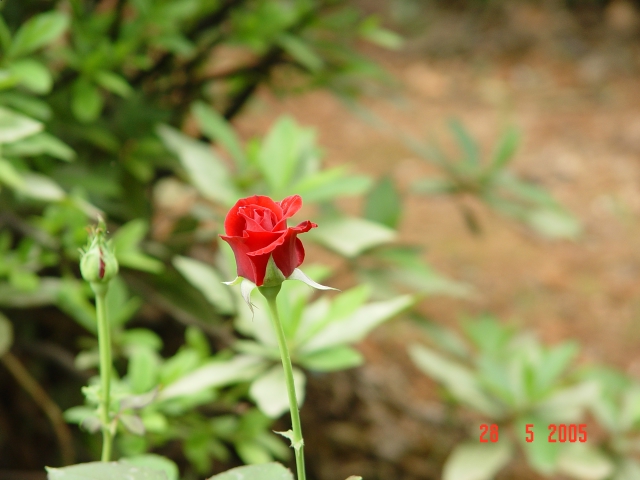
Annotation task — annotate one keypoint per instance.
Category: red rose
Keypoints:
(256, 228)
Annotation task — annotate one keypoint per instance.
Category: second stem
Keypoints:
(104, 344)
(297, 442)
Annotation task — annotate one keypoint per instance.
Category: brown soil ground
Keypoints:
(580, 118)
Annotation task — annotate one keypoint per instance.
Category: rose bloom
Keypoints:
(256, 228)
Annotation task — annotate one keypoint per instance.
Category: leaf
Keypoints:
(356, 326)
(350, 236)
(86, 102)
(555, 223)
(383, 204)
(41, 187)
(215, 374)
(584, 462)
(46, 293)
(37, 32)
(331, 359)
(329, 184)
(142, 372)
(299, 275)
(505, 149)
(553, 365)
(32, 75)
(217, 129)
(10, 176)
(14, 126)
(465, 142)
(541, 455)
(370, 30)
(40, 144)
(6, 335)
(155, 462)
(473, 461)
(104, 471)
(205, 170)
(206, 279)
(568, 404)
(126, 243)
(114, 83)
(265, 471)
(133, 424)
(300, 51)
(280, 153)
(269, 391)
(458, 379)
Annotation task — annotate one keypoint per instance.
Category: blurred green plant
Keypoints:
(490, 182)
(509, 379)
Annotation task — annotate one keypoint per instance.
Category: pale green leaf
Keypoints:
(383, 204)
(41, 143)
(37, 32)
(584, 462)
(41, 187)
(265, 471)
(217, 129)
(155, 462)
(142, 372)
(300, 51)
(331, 359)
(329, 184)
(269, 391)
(568, 404)
(542, 455)
(104, 471)
(9, 175)
(14, 126)
(476, 461)
(555, 223)
(206, 279)
(215, 374)
(350, 236)
(357, 325)
(205, 170)
(458, 379)
(33, 75)
(505, 149)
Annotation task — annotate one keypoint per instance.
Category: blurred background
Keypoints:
(473, 166)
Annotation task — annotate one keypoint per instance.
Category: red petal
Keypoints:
(234, 223)
(290, 205)
(251, 264)
(290, 253)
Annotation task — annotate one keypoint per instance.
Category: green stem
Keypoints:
(104, 344)
(297, 442)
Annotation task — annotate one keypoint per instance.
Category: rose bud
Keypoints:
(98, 263)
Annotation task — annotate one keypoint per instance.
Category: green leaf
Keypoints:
(205, 170)
(215, 374)
(505, 149)
(33, 107)
(283, 150)
(114, 83)
(356, 326)
(568, 404)
(265, 471)
(473, 461)
(458, 379)
(217, 129)
(487, 334)
(87, 102)
(143, 369)
(541, 455)
(40, 144)
(350, 236)
(46, 293)
(41, 187)
(466, 143)
(155, 462)
(14, 126)
(584, 462)
(332, 359)
(370, 30)
(555, 223)
(251, 451)
(555, 362)
(9, 175)
(6, 335)
(445, 338)
(33, 75)
(329, 184)
(206, 279)
(300, 51)
(269, 391)
(383, 204)
(37, 32)
(126, 243)
(104, 471)
(433, 186)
